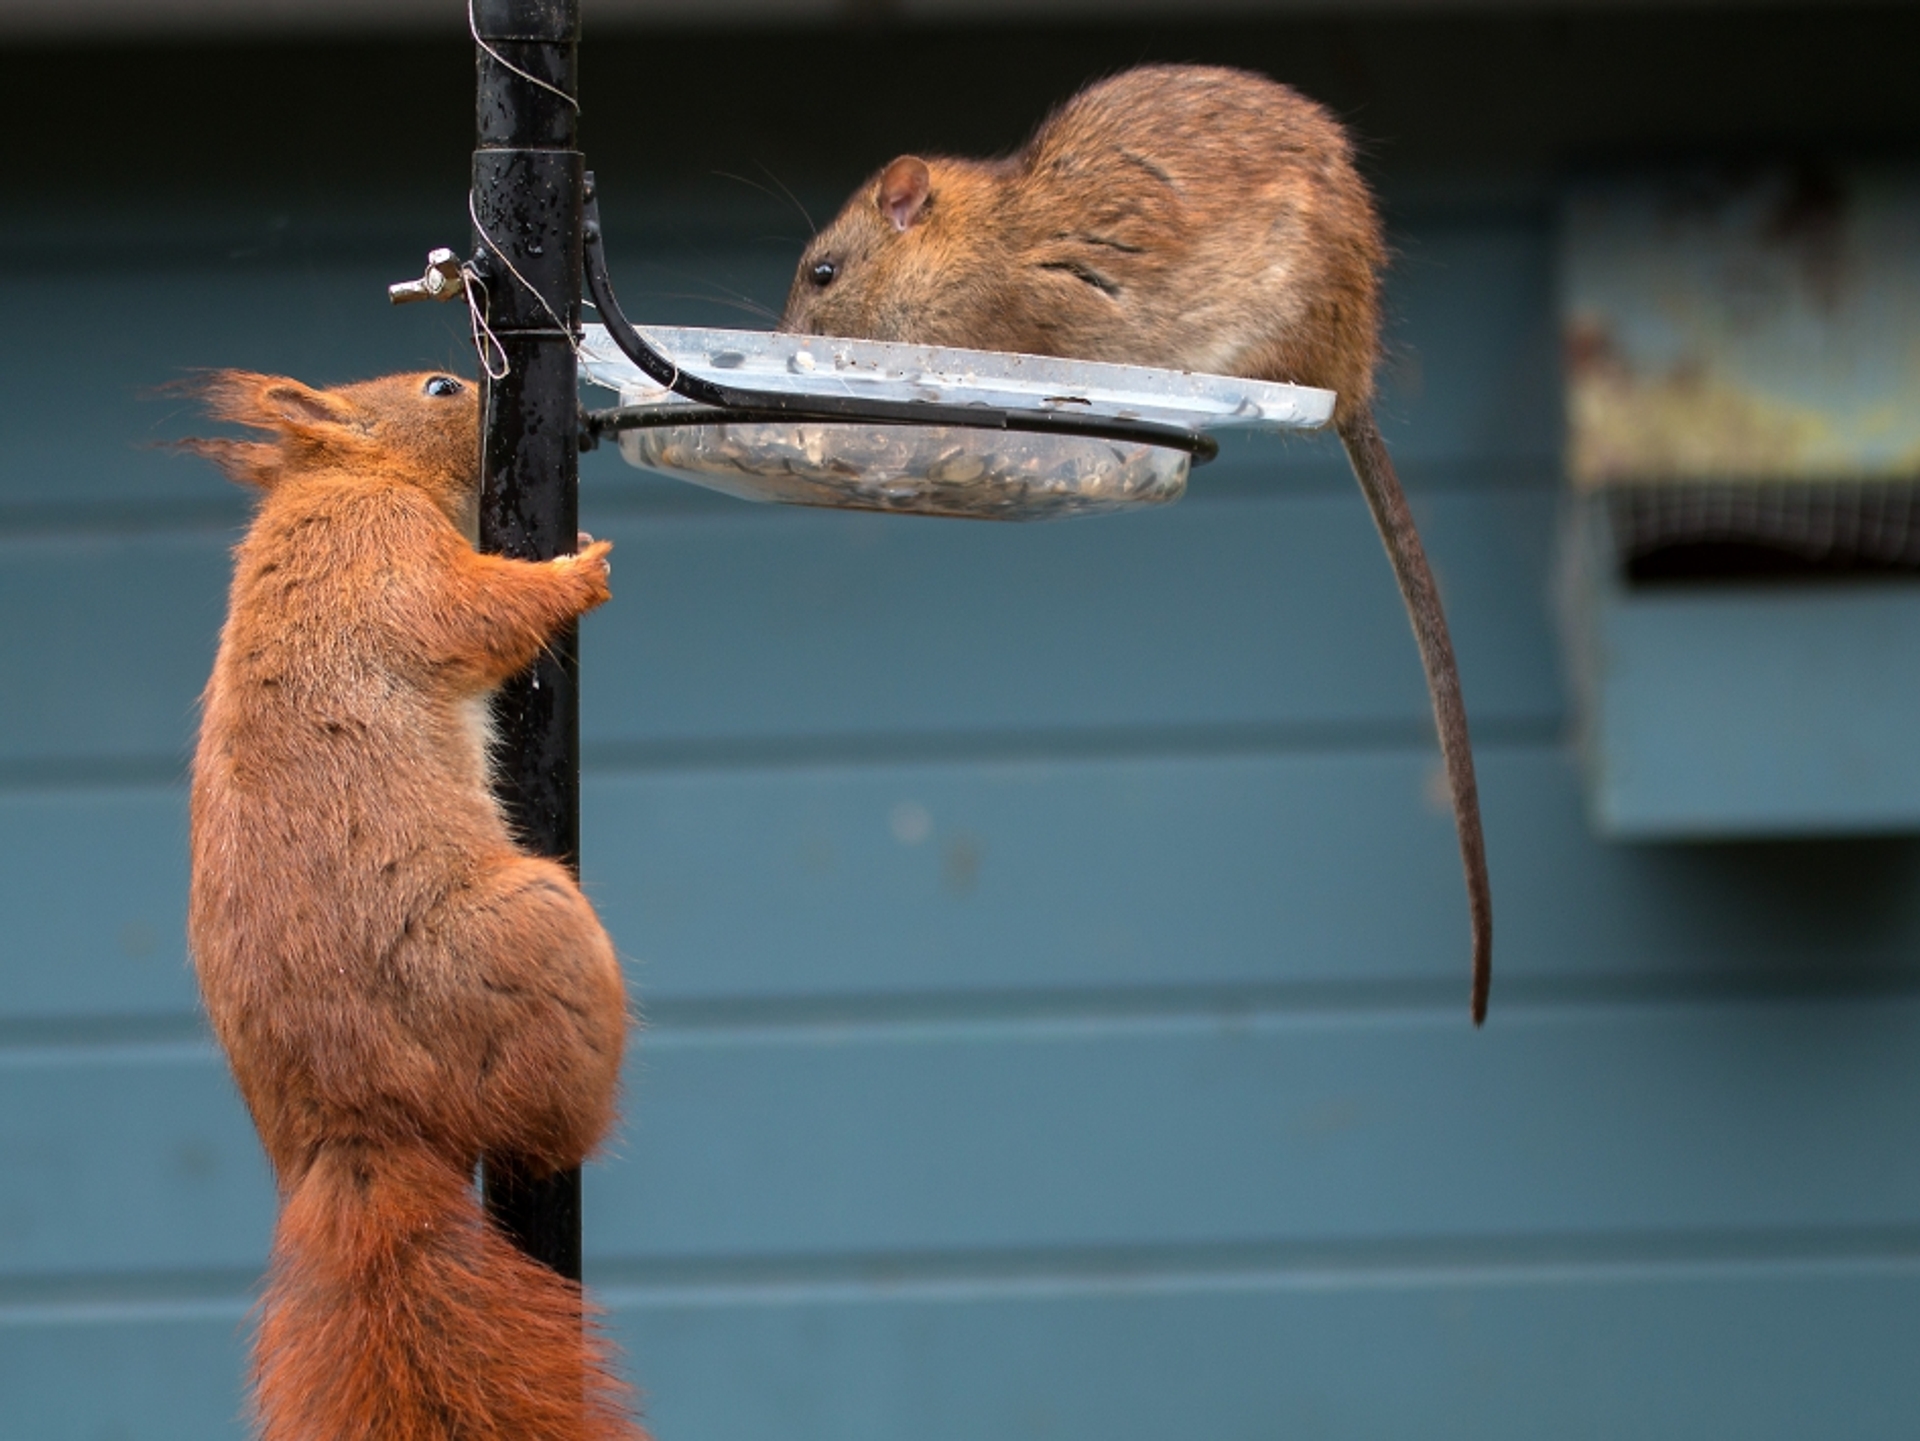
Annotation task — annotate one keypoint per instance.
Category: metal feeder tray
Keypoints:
(1158, 424)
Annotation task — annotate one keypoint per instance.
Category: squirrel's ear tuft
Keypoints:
(249, 461)
(905, 189)
(300, 414)
(264, 402)
(230, 395)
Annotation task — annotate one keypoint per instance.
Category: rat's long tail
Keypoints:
(395, 1312)
(1381, 485)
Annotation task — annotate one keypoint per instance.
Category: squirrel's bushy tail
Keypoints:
(395, 1312)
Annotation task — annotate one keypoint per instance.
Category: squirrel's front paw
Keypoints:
(590, 564)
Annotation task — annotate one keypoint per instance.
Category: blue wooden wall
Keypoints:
(1052, 939)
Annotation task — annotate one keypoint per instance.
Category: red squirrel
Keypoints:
(399, 987)
(1189, 217)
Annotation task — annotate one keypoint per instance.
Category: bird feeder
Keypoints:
(784, 418)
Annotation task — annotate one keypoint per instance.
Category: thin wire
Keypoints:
(473, 28)
(480, 326)
(476, 313)
(587, 264)
(473, 214)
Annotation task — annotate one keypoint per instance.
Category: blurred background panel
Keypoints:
(1743, 396)
(1051, 938)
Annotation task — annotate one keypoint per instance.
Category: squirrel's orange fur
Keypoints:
(399, 987)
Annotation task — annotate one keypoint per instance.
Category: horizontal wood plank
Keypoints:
(1197, 1127)
(1767, 1352)
(771, 627)
(1755, 711)
(1269, 612)
(1259, 869)
(127, 1157)
(1132, 880)
(93, 883)
(1678, 1356)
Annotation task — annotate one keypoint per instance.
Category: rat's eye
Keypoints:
(823, 272)
(442, 385)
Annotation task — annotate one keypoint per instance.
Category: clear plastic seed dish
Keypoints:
(931, 470)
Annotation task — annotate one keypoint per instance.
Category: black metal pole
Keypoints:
(528, 180)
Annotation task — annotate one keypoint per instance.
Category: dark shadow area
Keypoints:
(1819, 916)
(820, 107)
(1709, 531)
(1710, 561)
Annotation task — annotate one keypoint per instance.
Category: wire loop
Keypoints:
(473, 29)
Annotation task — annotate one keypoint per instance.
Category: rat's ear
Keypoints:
(905, 187)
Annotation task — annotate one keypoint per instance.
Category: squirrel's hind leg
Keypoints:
(543, 1017)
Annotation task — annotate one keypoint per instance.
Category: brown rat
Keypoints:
(399, 987)
(1188, 217)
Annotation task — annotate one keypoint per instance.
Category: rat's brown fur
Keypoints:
(1189, 217)
(399, 987)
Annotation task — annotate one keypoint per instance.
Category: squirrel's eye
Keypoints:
(442, 385)
(823, 272)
